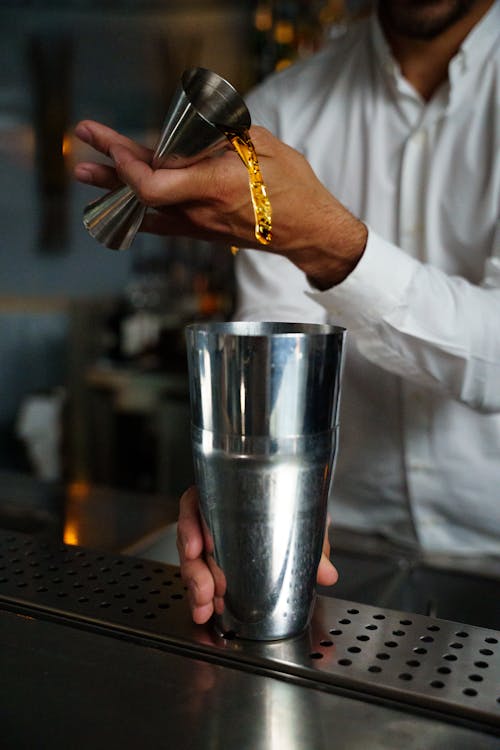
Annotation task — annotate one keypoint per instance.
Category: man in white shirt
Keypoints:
(399, 120)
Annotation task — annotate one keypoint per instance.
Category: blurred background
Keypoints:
(93, 386)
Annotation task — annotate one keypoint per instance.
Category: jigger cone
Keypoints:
(205, 108)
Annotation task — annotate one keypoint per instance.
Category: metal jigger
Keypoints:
(205, 108)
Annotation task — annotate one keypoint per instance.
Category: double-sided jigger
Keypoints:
(264, 420)
(204, 110)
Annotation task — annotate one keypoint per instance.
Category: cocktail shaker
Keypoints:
(264, 419)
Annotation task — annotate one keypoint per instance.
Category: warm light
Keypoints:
(66, 145)
(70, 535)
(285, 62)
(78, 489)
(284, 32)
(263, 18)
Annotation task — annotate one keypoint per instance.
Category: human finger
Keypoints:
(101, 137)
(327, 573)
(201, 589)
(189, 530)
(211, 179)
(98, 175)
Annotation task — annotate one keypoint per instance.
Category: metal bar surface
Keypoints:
(421, 663)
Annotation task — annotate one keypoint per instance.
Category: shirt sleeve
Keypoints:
(418, 322)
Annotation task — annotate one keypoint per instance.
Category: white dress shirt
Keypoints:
(419, 457)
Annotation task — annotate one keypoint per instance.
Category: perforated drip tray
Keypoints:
(447, 668)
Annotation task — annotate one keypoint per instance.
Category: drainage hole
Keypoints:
(118, 562)
(141, 600)
(371, 627)
(56, 580)
(435, 628)
(398, 632)
(83, 599)
(146, 578)
(428, 639)
(406, 622)
(374, 668)
(475, 677)
(335, 632)
(326, 643)
(486, 651)
(345, 662)
(450, 657)
(133, 586)
(444, 670)
(491, 640)
(112, 582)
(390, 644)
(119, 596)
(99, 591)
(154, 591)
(21, 585)
(456, 645)
(43, 588)
(167, 583)
(164, 605)
(354, 650)
(345, 621)
(125, 574)
(177, 596)
(353, 611)
(105, 569)
(383, 656)
(104, 604)
(469, 691)
(138, 566)
(379, 617)
(315, 655)
(420, 650)
(37, 575)
(362, 637)
(405, 676)
(481, 664)
(158, 570)
(92, 577)
(462, 634)
(149, 615)
(127, 610)
(437, 684)
(413, 663)
(78, 585)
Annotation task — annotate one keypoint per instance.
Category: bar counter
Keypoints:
(98, 650)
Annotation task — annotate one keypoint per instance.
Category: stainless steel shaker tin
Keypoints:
(264, 400)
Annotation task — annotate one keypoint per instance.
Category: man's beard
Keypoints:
(422, 20)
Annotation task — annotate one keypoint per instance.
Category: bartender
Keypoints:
(380, 155)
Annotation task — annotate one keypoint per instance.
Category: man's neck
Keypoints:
(424, 62)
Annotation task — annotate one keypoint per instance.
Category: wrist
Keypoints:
(331, 264)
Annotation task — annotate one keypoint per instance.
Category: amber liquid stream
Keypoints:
(242, 144)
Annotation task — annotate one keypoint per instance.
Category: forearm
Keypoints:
(416, 321)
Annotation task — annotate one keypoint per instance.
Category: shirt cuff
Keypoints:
(374, 290)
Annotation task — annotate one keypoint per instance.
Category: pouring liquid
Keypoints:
(242, 144)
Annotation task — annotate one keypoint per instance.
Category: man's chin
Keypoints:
(422, 20)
